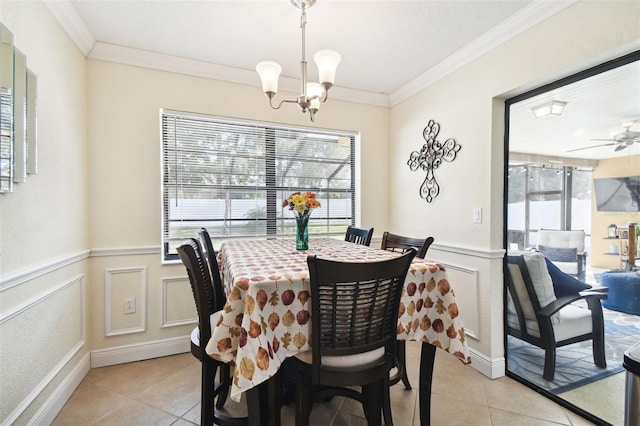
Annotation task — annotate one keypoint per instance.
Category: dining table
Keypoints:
(267, 316)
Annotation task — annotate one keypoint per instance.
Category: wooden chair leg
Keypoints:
(402, 359)
(401, 373)
(303, 407)
(427, 358)
(275, 398)
(207, 389)
(371, 396)
(386, 402)
(225, 384)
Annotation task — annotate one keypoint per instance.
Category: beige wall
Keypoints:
(98, 188)
(44, 233)
(615, 167)
(469, 106)
(124, 171)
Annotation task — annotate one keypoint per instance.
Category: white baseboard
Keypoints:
(53, 405)
(493, 368)
(102, 358)
(139, 351)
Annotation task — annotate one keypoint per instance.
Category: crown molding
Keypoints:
(162, 62)
(72, 24)
(529, 16)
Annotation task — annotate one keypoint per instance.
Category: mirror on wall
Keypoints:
(32, 123)
(6, 110)
(562, 142)
(18, 115)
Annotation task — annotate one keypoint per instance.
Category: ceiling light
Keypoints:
(548, 108)
(311, 94)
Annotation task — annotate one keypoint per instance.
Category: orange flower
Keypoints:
(301, 203)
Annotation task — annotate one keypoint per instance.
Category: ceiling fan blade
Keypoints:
(594, 146)
(621, 147)
(603, 139)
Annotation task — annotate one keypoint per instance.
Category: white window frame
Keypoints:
(198, 147)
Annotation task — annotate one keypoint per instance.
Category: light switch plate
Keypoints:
(477, 215)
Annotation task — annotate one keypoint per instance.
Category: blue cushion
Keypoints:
(559, 254)
(563, 283)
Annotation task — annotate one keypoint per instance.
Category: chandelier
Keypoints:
(311, 94)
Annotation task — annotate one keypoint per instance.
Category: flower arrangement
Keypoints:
(301, 203)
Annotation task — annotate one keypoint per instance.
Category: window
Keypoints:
(231, 176)
(546, 197)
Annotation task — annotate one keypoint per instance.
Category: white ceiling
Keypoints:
(390, 49)
(596, 108)
(395, 40)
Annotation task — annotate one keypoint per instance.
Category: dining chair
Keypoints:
(201, 286)
(212, 260)
(353, 334)
(395, 242)
(360, 236)
(540, 316)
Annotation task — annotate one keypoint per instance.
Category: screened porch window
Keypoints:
(231, 176)
(543, 197)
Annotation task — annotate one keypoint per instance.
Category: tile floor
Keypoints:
(166, 391)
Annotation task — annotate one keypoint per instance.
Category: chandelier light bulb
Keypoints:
(314, 90)
(327, 61)
(269, 73)
(312, 94)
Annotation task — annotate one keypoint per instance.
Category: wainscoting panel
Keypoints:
(121, 284)
(178, 306)
(39, 338)
(465, 282)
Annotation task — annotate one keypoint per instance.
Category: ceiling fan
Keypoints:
(621, 141)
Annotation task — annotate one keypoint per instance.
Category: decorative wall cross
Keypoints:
(430, 157)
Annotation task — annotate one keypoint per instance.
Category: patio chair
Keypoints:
(536, 315)
(565, 249)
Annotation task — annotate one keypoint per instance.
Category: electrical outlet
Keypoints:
(130, 305)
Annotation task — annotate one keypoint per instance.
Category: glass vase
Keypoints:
(302, 232)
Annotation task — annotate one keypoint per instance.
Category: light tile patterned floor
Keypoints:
(166, 391)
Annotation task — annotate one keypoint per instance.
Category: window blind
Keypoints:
(231, 176)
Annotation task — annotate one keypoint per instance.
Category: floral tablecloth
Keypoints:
(267, 315)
